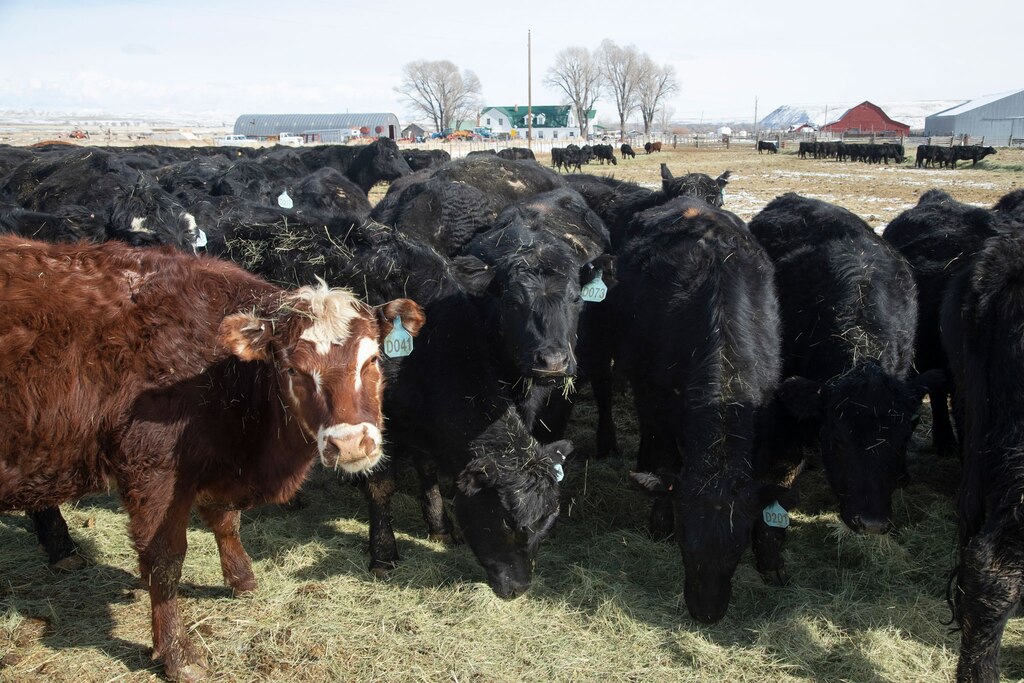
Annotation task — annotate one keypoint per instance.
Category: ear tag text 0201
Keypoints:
(398, 343)
(595, 290)
(775, 515)
(284, 201)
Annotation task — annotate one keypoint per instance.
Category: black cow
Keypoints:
(698, 337)
(848, 310)
(573, 157)
(604, 153)
(419, 159)
(974, 153)
(925, 154)
(445, 207)
(981, 320)
(939, 238)
(557, 157)
(517, 153)
(1012, 204)
(328, 192)
(447, 408)
(765, 146)
(627, 151)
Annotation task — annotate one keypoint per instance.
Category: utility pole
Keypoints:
(529, 90)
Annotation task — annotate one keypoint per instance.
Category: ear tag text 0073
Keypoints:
(595, 290)
(398, 343)
(775, 515)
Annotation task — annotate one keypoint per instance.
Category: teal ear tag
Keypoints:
(284, 201)
(398, 343)
(596, 290)
(559, 473)
(775, 515)
(200, 239)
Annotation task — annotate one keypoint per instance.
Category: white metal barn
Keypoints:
(318, 127)
(997, 118)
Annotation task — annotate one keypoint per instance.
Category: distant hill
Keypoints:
(911, 113)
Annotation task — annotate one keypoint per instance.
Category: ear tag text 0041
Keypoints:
(284, 201)
(595, 290)
(775, 515)
(398, 343)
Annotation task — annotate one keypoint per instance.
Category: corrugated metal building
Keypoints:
(317, 127)
(997, 118)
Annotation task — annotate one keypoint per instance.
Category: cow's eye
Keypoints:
(292, 372)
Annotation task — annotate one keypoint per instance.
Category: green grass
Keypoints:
(606, 604)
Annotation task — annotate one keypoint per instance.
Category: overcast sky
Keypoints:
(315, 56)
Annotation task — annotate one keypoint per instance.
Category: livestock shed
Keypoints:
(317, 127)
(866, 118)
(999, 119)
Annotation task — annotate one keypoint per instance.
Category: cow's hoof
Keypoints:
(243, 586)
(775, 577)
(71, 563)
(381, 573)
(190, 673)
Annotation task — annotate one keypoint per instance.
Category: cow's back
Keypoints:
(84, 329)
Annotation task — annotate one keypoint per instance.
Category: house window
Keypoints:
(540, 134)
(501, 122)
(554, 134)
(488, 122)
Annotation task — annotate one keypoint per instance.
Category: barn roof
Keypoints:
(261, 125)
(874, 107)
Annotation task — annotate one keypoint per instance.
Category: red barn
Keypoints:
(867, 118)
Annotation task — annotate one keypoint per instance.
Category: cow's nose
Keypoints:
(869, 526)
(555, 360)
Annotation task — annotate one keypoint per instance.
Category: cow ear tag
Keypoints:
(284, 201)
(398, 343)
(595, 290)
(775, 515)
(200, 239)
(559, 472)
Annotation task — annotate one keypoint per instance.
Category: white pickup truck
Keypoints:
(290, 140)
(235, 141)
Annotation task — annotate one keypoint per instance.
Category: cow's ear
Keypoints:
(477, 475)
(723, 179)
(246, 336)
(786, 496)
(557, 451)
(476, 276)
(604, 263)
(928, 382)
(413, 316)
(652, 484)
(801, 397)
(665, 173)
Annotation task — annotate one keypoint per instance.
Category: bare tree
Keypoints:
(665, 114)
(656, 84)
(577, 74)
(621, 68)
(437, 90)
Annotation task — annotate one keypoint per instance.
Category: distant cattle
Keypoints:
(604, 153)
(695, 288)
(848, 305)
(650, 147)
(627, 151)
(220, 401)
(765, 146)
(981, 319)
(972, 153)
(946, 156)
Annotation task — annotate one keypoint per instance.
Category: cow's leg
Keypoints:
(990, 592)
(234, 561)
(439, 526)
(158, 520)
(378, 488)
(602, 385)
(52, 532)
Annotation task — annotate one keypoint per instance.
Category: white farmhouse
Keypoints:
(549, 122)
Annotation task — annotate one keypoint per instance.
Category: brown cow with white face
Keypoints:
(187, 382)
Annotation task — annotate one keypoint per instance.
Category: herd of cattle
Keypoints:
(946, 157)
(485, 284)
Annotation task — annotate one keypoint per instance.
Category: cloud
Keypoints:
(138, 49)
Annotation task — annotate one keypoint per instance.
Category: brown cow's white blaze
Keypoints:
(367, 349)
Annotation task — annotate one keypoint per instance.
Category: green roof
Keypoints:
(556, 116)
